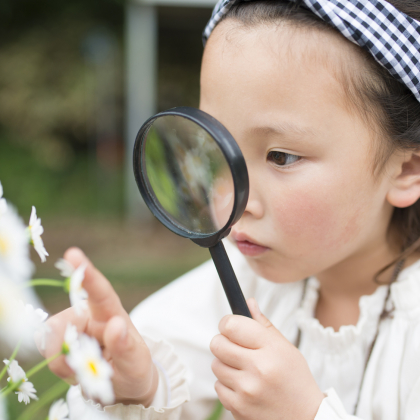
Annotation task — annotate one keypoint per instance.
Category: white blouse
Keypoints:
(180, 320)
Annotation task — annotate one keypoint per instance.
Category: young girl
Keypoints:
(327, 245)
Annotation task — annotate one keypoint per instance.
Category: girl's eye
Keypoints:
(281, 158)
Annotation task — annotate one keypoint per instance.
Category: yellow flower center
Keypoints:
(4, 246)
(92, 367)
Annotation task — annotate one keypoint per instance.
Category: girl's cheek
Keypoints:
(319, 218)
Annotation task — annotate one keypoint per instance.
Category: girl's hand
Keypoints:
(261, 375)
(135, 376)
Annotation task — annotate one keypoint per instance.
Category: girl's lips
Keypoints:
(250, 249)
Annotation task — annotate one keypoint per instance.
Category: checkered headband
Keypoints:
(392, 37)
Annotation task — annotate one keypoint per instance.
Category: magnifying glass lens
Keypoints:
(193, 177)
(187, 175)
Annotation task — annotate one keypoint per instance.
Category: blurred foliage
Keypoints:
(19, 16)
(48, 107)
(77, 189)
(43, 99)
(46, 89)
(180, 52)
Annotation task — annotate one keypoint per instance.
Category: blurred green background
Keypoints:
(62, 119)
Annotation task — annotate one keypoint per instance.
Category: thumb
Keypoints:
(126, 347)
(258, 316)
(119, 343)
(135, 374)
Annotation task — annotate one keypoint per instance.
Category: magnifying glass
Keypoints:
(193, 177)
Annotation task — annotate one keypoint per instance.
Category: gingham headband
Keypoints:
(392, 37)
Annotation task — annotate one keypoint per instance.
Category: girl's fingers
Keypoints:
(227, 375)
(229, 353)
(71, 380)
(259, 317)
(61, 369)
(252, 333)
(55, 337)
(226, 395)
(104, 302)
(57, 324)
(245, 332)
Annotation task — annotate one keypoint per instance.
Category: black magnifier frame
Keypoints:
(237, 166)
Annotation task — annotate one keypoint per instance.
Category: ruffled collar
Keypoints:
(326, 338)
(405, 294)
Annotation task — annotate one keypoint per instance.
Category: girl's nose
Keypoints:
(254, 206)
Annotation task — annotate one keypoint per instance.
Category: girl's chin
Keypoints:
(274, 272)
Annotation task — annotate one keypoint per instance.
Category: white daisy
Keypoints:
(35, 318)
(65, 268)
(77, 294)
(59, 410)
(3, 204)
(13, 323)
(26, 390)
(14, 247)
(35, 231)
(15, 372)
(92, 371)
(75, 277)
(70, 338)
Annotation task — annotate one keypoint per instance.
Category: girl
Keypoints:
(323, 98)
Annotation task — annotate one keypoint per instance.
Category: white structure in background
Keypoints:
(141, 80)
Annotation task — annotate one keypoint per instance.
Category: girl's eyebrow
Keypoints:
(283, 128)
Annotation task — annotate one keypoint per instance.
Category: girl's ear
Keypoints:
(405, 187)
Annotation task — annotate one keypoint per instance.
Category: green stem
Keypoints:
(46, 282)
(15, 385)
(46, 398)
(217, 412)
(12, 357)
(10, 388)
(42, 364)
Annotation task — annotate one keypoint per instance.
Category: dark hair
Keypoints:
(374, 94)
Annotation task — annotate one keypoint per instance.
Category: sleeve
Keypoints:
(413, 404)
(332, 408)
(171, 394)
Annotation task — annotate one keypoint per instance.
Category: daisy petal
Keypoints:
(65, 268)
(59, 410)
(36, 230)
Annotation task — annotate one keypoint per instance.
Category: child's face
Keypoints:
(314, 203)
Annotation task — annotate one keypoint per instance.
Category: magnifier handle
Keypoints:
(229, 281)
